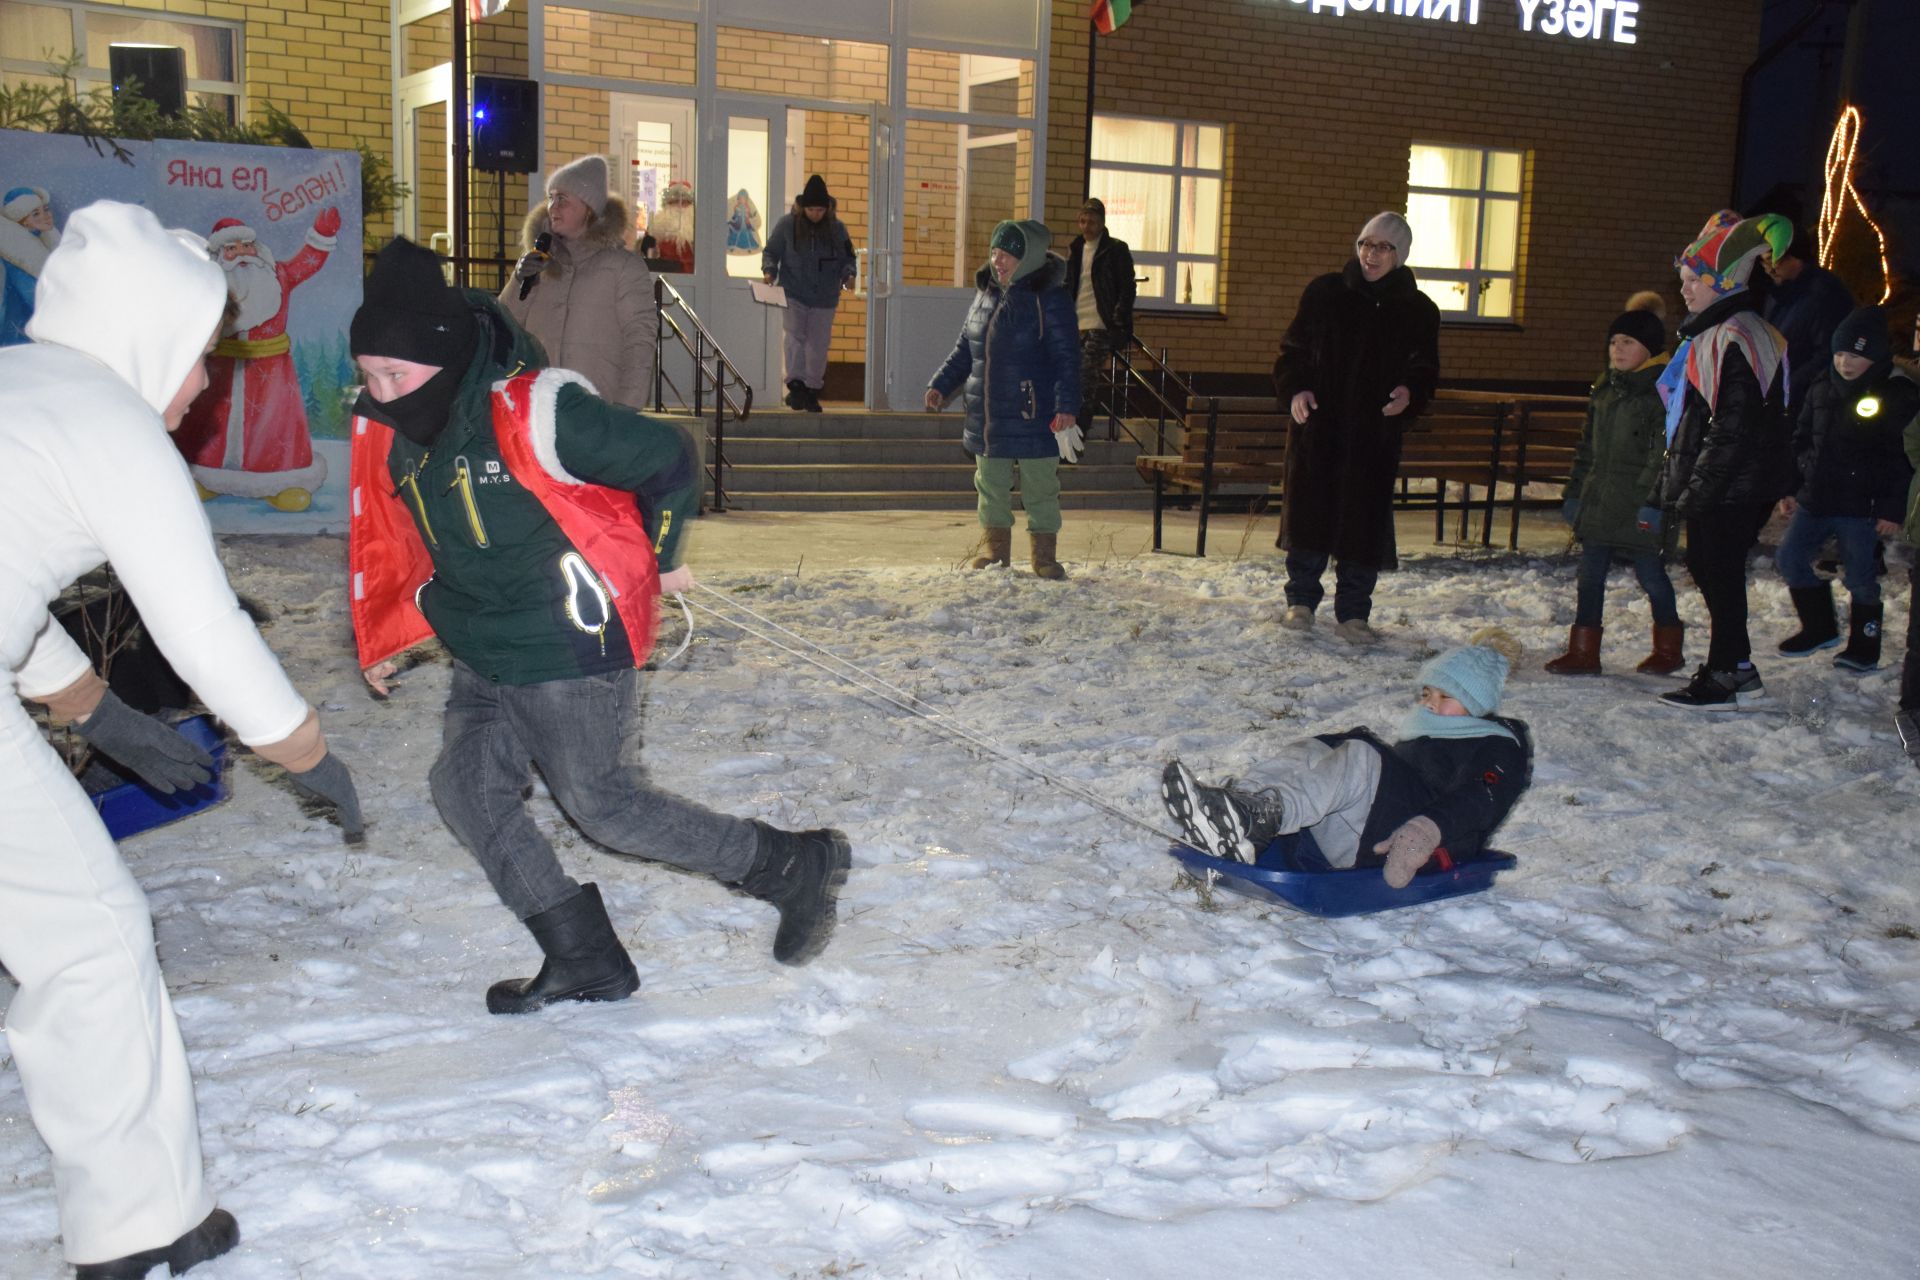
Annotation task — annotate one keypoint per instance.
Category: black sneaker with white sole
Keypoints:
(1718, 690)
(1224, 821)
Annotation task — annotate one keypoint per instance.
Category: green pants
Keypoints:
(1039, 492)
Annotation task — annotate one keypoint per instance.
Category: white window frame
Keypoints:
(1477, 278)
(87, 76)
(1170, 261)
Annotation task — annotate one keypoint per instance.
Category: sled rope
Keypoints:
(913, 705)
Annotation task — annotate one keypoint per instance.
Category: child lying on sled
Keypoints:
(1435, 795)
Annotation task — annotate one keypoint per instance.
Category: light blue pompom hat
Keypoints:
(1474, 674)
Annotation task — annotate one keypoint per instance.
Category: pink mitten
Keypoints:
(1408, 849)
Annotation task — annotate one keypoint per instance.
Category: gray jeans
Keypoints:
(1328, 790)
(584, 733)
(809, 330)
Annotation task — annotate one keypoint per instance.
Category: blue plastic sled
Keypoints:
(133, 807)
(1280, 875)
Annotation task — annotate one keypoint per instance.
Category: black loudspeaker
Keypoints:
(160, 69)
(506, 125)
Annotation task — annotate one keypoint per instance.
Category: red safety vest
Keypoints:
(388, 563)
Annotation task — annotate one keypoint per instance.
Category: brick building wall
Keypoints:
(1629, 148)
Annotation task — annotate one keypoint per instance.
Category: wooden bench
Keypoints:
(1546, 438)
(1228, 441)
(1474, 439)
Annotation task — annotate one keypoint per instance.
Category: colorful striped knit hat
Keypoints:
(1727, 247)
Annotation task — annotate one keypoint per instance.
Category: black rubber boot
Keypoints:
(1819, 628)
(585, 960)
(1862, 653)
(800, 872)
(216, 1234)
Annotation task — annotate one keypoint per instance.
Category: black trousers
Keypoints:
(1719, 541)
(1353, 584)
(1096, 388)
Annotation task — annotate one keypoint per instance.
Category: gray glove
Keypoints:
(531, 264)
(166, 761)
(330, 783)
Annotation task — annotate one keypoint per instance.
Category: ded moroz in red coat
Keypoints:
(247, 433)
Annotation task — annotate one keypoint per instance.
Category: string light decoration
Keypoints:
(1841, 149)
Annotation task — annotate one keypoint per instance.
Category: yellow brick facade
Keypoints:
(1629, 148)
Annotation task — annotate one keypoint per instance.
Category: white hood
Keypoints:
(135, 296)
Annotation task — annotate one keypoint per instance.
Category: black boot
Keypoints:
(1819, 628)
(813, 400)
(800, 872)
(585, 960)
(1863, 639)
(216, 1234)
(796, 395)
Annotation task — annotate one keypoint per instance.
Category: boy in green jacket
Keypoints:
(1612, 498)
(494, 504)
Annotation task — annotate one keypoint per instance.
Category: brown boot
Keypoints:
(1666, 657)
(1582, 657)
(1044, 565)
(999, 550)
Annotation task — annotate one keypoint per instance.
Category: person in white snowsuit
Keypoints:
(126, 313)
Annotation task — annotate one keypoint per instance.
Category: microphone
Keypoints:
(542, 243)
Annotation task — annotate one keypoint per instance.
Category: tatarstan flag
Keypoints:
(1110, 15)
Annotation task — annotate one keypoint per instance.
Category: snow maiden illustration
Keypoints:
(743, 225)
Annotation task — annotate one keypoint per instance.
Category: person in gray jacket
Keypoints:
(587, 297)
(810, 255)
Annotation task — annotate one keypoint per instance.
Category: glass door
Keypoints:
(426, 159)
(741, 147)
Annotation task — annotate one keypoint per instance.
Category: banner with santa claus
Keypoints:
(267, 441)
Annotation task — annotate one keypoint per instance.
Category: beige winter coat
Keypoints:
(593, 309)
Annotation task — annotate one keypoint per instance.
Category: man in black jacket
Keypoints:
(1105, 311)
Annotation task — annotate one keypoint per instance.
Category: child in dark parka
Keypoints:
(1436, 795)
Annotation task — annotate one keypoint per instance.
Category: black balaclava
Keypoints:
(411, 313)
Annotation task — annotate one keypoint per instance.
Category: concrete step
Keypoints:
(881, 451)
(785, 424)
(954, 477)
(926, 500)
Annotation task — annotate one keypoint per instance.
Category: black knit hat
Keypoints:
(409, 312)
(814, 194)
(1643, 327)
(1864, 333)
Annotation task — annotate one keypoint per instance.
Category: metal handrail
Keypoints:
(1122, 375)
(671, 309)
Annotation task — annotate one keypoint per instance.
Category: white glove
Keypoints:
(1071, 440)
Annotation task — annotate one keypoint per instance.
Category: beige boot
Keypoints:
(1044, 565)
(999, 550)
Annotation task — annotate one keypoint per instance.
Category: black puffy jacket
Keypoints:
(1737, 452)
(1847, 444)
(1467, 786)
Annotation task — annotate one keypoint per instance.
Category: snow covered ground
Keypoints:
(1678, 1040)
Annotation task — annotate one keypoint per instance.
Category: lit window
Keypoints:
(1464, 206)
(33, 34)
(1162, 182)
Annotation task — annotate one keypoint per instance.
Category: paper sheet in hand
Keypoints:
(771, 294)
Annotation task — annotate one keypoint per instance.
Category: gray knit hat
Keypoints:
(1391, 227)
(585, 180)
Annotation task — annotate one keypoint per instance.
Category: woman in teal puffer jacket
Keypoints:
(1018, 356)
(1612, 499)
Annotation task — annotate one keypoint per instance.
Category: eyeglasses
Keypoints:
(1376, 246)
